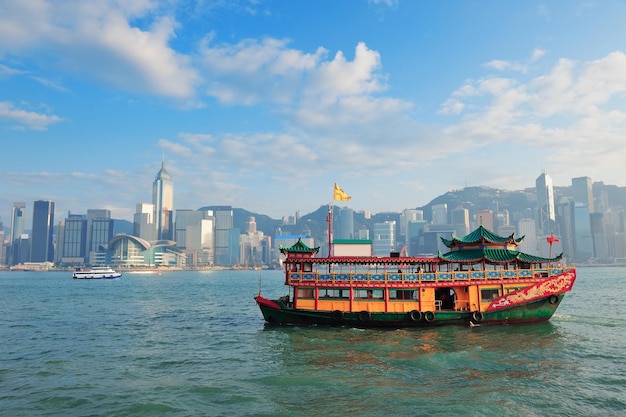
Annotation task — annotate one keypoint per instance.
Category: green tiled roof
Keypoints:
(300, 247)
(481, 235)
(493, 256)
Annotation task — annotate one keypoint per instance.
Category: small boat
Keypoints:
(483, 279)
(96, 272)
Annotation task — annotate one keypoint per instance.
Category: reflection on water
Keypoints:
(417, 365)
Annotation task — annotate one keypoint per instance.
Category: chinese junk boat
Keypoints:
(483, 279)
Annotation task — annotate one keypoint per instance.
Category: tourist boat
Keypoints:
(97, 272)
(482, 279)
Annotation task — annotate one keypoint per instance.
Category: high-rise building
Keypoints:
(42, 244)
(194, 234)
(485, 218)
(143, 222)
(344, 226)
(99, 233)
(460, 221)
(546, 215)
(74, 239)
(384, 241)
(583, 238)
(582, 192)
(223, 226)
(18, 218)
(527, 228)
(440, 214)
(163, 200)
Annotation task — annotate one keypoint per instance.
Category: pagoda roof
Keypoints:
(482, 235)
(298, 247)
(496, 256)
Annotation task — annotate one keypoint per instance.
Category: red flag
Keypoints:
(551, 239)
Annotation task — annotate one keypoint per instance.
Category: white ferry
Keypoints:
(97, 272)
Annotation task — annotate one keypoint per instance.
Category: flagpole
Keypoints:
(330, 229)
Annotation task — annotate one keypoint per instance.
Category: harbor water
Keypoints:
(195, 344)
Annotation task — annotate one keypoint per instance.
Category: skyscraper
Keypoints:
(99, 233)
(546, 217)
(163, 200)
(582, 192)
(223, 226)
(74, 239)
(143, 222)
(18, 217)
(42, 247)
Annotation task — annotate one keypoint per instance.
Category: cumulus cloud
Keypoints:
(96, 39)
(574, 113)
(254, 71)
(25, 118)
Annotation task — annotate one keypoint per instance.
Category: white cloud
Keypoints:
(95, 39)
(28, 119)
(254, 71)
(574, 115)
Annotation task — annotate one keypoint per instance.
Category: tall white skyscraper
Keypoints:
(546, 216)
(163, 200)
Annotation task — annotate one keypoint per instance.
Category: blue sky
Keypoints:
(265, 104)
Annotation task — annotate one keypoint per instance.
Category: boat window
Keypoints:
(334, 293)
(403, 294)
(487, 294)
(368, 294)
(305, 292)
(307, 267)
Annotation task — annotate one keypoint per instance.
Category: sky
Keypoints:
(265, 104)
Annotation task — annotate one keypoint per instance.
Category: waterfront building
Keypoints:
(582, 192)
(194, 232)
(527, 228)
(42, 244)
(485, 218)
(439, 214)
(344, 224)
(409, 215)
(163, 200)
(143, 222)
(74, 240)
(460, 221)
(546, 215)
(598, 234)
(432, 234)
(384, 241)
(99, 233)
(583, 238)
(415, 240)
(18, 219)
(224, 236)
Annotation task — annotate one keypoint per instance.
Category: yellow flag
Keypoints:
(340, 195)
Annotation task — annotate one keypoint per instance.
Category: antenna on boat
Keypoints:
(259, 285)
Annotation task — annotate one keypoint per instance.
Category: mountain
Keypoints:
(518, 203)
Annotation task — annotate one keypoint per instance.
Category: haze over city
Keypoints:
(264, 105)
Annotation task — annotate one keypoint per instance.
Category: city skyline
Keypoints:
(251, 105)
(26, 208)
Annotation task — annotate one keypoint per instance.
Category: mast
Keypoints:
(329, 219)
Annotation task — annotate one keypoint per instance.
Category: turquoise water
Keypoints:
(194, 344)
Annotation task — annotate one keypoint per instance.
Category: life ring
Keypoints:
(477, 316)
(336, 315)
(415, 315)
(553, 299)
(429, 316)
(364, 316)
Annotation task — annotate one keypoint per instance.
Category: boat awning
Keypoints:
(365, 260)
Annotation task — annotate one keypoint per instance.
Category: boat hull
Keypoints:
(277, 312)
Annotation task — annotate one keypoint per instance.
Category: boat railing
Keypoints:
(419, 277)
